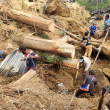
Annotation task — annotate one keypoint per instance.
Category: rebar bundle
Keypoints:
(13, 60)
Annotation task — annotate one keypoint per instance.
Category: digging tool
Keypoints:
(6, 74)
(76, 75)
(34, 66)
(101, 99)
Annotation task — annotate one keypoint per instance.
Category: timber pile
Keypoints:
(29, 19)
(59, 46)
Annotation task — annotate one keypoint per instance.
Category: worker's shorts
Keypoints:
(26, 69)
(108, 102)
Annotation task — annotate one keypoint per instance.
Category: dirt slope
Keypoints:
(34, 94)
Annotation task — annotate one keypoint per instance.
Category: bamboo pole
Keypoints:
(99, 50)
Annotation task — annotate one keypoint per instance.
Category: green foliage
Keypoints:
(61, 32)
(19, 25)
(93, 5)
(44, 36)
(50, 58)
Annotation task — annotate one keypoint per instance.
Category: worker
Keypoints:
(3, 54)
(86, 63)
(108, 100)
(93, 29)
(30, 57)
(106, 26)
(92, 81)
(87, 41)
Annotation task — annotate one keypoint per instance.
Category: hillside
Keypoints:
(44, 92)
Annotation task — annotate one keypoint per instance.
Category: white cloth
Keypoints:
(87, 63)
(106, 108)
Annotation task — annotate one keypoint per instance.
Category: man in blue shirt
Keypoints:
(93, 29)
(30, 57)
(3, 54)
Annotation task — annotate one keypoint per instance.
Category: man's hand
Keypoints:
(31, 57)
(80, 42)
(84, 71)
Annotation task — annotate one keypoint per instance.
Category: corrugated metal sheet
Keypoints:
(13, 59)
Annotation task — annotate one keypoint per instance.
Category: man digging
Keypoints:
(89, 81)
(30, 57)
(86, 63)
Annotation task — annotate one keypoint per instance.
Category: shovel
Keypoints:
(76, 75)
(34, 66)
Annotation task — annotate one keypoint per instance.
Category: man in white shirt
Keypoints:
(86, 63)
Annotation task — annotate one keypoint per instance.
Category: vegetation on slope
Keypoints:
(95, 4)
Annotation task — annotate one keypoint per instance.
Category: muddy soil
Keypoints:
(44, 93)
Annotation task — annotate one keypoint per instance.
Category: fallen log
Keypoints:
(69, 63)
(75, 41)
(59, 46)
(105, 47)
(53, 46)
(46, 25)
(67, 32)
(81, 44)
(26, 77)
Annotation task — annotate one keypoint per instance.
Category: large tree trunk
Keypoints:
(72, 63)
(46, 25)
(58, 46)
(54, 46)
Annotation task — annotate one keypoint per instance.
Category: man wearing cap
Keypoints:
(106, 27)
(86, 63)
(93, 29)
(3, 54)
(30, 57)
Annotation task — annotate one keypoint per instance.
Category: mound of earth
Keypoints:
(36, 94)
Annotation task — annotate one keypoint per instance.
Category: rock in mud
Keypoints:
(101, 79)
(106, 71)
(57, 7)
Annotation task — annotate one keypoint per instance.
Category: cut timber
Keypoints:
(26, 77)
(71, 63)
(43, 24)
(53, 46)
(106, 49)
(81, 44)
(106, 71)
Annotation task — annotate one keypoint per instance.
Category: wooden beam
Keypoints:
(43, 24)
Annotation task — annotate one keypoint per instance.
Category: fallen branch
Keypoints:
(73, 35)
